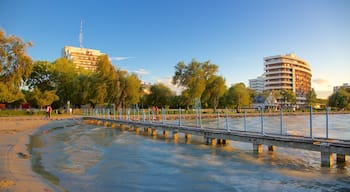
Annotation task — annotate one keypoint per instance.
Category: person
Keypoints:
(48, 111)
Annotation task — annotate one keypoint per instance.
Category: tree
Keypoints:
(160, 95)
(340, 99)
(43, 98)
(237, 96)
(193, 77)
(132, 89)
(311, 97)
(63, 74)
(41, 76)
(215, 89)
(10, 94)
(288, 96)
(15, 67)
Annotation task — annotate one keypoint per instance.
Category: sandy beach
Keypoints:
(15, 166)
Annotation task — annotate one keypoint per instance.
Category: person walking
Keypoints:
(48, 111)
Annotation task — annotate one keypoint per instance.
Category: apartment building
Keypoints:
(82, 57)
(288, 72)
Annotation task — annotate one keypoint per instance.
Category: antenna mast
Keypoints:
(81, 34)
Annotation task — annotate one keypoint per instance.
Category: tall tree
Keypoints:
(288, 96)
(41, 76)
(193, 78)
(311, 97)
(63, 74)
(132, 89)
(160, 95)
(15, 67)
(237, 96)
(106, 81)
(214, 90)
(340, 99)
(43, 98)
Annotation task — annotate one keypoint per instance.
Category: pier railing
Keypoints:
(152, 121)
(199, 118)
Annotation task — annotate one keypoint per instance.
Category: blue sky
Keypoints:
(150, 37)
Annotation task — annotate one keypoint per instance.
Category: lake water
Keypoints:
(96, 158)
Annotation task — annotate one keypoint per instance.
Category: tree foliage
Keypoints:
(193, 78)
(41, 76)
(214, 90)
(288, 96)
(43, 98)
(340, 99)
(237, 96)
(311, 97)
(160, 95)
(15, 67)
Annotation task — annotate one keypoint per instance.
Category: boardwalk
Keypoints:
(327, 147)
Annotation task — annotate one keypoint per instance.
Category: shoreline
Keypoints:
(16, 172)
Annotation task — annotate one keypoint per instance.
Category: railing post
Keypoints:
(218, 120)
(120, 114)
(245, 119)
(281, 120)
(227, 127)
(262, 120)
(327, 122)
(149, 115)
(311, 122)
(143, 115)
(163, 115)
(179, 116)
(138, 114)
(114, 112)
(196, 116)
(200, 117)
(128, 114)
(109, 113)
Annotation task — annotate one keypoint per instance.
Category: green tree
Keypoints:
(288, 96)
(340, 99)
(160, 95)
(193, 78)
(214, 90)
(15, 67)
(238, 96)
(10, 93)
(81, 85)
(311, 97)
(63, 74)
(105, 84)
(132, 89)
(43, 98)
(41, 76)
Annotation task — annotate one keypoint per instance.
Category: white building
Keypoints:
(288, 72)
(257, 84)
(82, 57)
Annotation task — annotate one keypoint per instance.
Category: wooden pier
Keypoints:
(213, 136)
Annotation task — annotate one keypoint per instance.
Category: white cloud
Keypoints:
(168, 82)
(119, 58)
(322, 82)
(142, 72)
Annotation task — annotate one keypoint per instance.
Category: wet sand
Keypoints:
(15, 166)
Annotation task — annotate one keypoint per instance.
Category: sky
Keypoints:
(149, 37)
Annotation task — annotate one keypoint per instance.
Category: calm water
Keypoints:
(96, 158)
